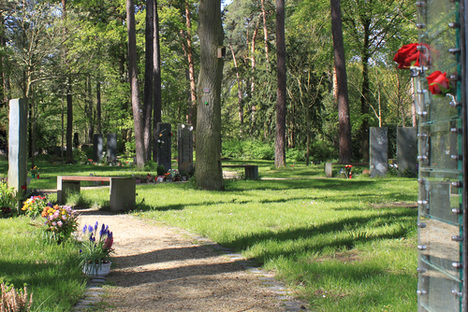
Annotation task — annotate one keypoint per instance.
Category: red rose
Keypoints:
(409, 53)
(438, 82)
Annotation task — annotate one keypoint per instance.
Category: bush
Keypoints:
(60, 222)
(295, 154)
(248, 149)
(12, 300)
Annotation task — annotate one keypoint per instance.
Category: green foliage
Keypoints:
(247, 149)
(8, 200)
(51, 272)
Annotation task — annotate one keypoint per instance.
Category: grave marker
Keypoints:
(185, 149)
(163, 145)
(111, 147)
(378, 151)
(407, 151)
(17, 144)
(97, 147)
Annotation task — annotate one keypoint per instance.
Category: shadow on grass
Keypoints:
(336, 185)
(355, 230)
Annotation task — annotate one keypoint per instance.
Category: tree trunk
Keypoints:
(133, 77)
(193, 91)
(208, 172)
(265, 32)
(341, 84)
(90, 110)
(239, 89)
(156, 75)
(98, 107)
(69, 133)
(365, 93)
(3, 76)
(148, 89)
(280, 150)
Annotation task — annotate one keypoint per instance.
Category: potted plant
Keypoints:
(96, 248)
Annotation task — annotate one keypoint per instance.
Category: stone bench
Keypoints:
(122, 189)
(251, 171)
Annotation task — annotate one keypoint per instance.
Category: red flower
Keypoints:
(409, 53)
(438, 82)
(23, 187)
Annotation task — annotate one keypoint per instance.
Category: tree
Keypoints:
(156, 73)
(133, 76)
(208, 172)
(149, 79)
(280, 149)
(342, 84)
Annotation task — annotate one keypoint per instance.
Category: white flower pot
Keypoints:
(94, 269)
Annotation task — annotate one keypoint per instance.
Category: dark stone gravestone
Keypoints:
(111, 147)
(378, 151)
(407, 151)
(76, 140)
(97, 147)
(163, 145)
(185, 149)
(17, 144)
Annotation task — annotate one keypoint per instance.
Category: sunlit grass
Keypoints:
(50, 271)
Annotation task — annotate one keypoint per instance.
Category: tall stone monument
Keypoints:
(97, 147)
(163, 144)
(407, 151)
(17, 144)
(378, 151)
(185, 149)
(111, 147)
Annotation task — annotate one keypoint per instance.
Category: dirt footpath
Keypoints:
(160, 268)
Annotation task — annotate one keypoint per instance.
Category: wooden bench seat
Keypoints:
(251, 171)
(122, 189)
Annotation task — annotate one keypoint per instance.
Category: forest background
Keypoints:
(74, 73)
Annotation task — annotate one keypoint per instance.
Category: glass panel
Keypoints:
(439, 145)
(437, 246)
(437, 291)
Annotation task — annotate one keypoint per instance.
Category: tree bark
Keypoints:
(193, 91)
(341, 84)
(149, 73)
(265, 32)
(69, 133)
(98, 107)
(208, 172)
(133, 77)
(3, 76)
(156, 75)
(280, 150)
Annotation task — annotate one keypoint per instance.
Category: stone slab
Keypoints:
(122, 193)
(378, 151)
(163, 145)
(111, 147)
(97, 147)
(185, 150)
(407, 151)
(17, 144)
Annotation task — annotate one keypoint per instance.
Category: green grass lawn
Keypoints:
(324, 237)
(50, 271)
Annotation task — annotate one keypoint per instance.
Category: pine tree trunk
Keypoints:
(69, 133)
(156, 75)
(208, 172)
(98, 107)
(133, 76)
(148, 89)
(193, 91)
(265, 32)
(341, 84)
(365, 94)
(280, 149)
(239, 88)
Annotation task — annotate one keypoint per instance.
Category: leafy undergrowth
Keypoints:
(50, 271)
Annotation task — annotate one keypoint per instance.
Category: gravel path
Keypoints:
(161, 268)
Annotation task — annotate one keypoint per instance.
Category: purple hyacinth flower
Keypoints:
(84, 229)
(90, 228)
(103, 230)
(96, 226)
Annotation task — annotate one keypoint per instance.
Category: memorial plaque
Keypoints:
(185, 149)
(163, 145)
(111, 147)
(329, 169)
(17, 144)
(97, 147)
(407, 151)
(378, 151)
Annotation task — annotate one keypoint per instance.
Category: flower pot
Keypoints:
(95, 269)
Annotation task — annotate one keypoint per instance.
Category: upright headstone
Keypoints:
(185, 149)
(76, 139)
(407, 151)
(329, 169)
(378, 151)
(163, 144)
(111, 147)
(98, 147)
(17, 144)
